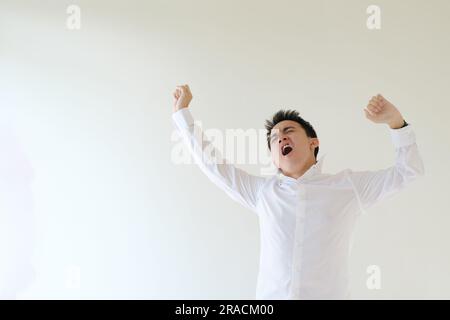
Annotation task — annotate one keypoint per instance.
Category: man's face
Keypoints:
(291, 148)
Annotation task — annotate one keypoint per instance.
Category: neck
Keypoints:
(300, 171)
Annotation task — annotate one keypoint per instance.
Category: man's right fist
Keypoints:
(183, 97)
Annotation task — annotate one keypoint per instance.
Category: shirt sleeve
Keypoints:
(238, 184)
(373, 186)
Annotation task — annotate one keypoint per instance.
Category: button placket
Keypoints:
(298, 242)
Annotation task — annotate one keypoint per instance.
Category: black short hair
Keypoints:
(292, 115)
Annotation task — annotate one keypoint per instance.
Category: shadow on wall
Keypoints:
(16, 213)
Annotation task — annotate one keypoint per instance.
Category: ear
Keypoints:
(314, 142)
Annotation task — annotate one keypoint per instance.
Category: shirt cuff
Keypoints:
(183, 118)
(403, 136)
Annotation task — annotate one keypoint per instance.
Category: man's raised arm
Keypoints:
(374, 186)
(238, 184)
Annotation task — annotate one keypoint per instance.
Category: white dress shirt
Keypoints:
(306, 224)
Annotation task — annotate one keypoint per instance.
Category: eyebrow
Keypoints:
(284, 130)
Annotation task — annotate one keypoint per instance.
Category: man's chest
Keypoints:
(318, 207)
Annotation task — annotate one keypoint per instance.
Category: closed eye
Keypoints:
(285, 130)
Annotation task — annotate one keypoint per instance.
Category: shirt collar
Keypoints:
(312, 171)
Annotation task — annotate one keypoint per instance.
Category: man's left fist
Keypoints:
(380, 110)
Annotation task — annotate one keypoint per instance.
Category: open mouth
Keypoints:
(286, 149)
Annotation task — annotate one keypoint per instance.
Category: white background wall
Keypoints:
(92, 205)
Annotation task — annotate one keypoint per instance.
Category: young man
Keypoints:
(306, 217)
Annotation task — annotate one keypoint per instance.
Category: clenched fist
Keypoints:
(182, 97)
(380, 110)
